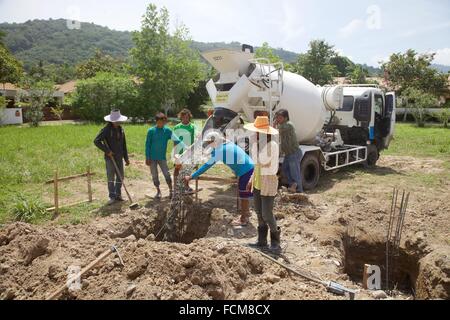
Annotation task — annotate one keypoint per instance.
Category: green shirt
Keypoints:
(288, 138)
(156, 143)
(185, 133)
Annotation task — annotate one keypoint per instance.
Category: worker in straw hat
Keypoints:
(111, 140)
(264, 181)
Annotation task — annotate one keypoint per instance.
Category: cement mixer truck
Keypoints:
(337, 126)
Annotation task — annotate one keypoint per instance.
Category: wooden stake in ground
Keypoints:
(365, 276)
(72, 279)
(55, 184)
(89, 185)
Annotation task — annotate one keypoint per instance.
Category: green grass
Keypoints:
(29, 157)
(432, 141)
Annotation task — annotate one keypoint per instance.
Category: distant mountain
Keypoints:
(441, 68)
(54, 43)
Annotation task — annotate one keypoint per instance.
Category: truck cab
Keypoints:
(367, 118)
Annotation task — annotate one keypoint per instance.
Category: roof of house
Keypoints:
(8, 86)
(67, 87)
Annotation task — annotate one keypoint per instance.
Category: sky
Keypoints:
(365, 31)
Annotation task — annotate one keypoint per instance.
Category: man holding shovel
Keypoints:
(111, 140)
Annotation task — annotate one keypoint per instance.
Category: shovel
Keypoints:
(133, 205)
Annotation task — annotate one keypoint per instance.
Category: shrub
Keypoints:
(96, 97)
(27, 208)
(444, 116)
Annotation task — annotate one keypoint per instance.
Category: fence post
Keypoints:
(89, 184)
(55, 182)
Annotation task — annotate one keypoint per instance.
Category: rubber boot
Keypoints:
(275, 241)
(262, 238)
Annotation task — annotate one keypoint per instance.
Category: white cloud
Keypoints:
(341, 52)
(352, 27)
(378, 60)
(442, 56)
(425, 29)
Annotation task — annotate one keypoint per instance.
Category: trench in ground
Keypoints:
(191, 224)
(403, 269)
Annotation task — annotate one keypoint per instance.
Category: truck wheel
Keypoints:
(310, 171)
(372, 155)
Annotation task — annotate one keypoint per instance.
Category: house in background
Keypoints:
(67, 88)
(11, 114)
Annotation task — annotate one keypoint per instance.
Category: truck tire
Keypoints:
(310, 171)
(372, 156)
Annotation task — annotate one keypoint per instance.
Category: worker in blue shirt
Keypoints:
(239, 162)
(156, 151)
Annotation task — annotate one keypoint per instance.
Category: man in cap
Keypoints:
(111, 140)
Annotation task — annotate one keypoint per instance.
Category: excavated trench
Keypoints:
(403, 270)
(190, 224)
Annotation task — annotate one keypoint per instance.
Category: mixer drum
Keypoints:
(306, 110)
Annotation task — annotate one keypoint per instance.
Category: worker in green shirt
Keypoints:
(156, 150)
(185, 131)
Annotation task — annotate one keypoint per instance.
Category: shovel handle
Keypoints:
(118, 173)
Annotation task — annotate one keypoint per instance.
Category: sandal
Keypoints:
(241, 222)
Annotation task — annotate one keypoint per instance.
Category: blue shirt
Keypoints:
(230, 154)
(156, 143)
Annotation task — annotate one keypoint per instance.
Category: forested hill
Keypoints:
(54, 43)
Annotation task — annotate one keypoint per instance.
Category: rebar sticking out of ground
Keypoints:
(393, 240)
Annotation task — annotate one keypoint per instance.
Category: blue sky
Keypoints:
(366, 31)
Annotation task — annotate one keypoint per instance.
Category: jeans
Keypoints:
(114, 183)
(264, 210)
(292, 171)
(165, 170)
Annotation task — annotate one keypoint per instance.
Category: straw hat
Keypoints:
(261, 125)
(115, 116)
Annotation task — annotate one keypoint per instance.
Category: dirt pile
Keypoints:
(32, 266)
(331, 233)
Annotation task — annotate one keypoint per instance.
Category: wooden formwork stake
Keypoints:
(55, 184)
(196, 191)
(89, 184)
(365, 276)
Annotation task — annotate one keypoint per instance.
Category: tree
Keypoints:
(60, 73)
(265, 51)
(343, 65)
(419, 101)
(57, 111)
(359, 75)
(444, 116)
(100, 62)
(37, 93)
(316, 65)
(10, 68)
(95, 97)
(168, 69)
(412, 70)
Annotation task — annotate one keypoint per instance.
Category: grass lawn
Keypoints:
(29, 156)
(432, 141)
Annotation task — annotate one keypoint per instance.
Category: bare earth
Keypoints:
(330, 233)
